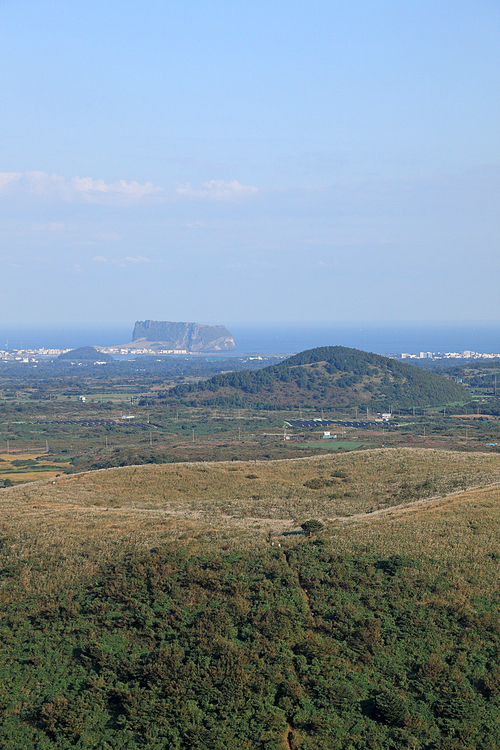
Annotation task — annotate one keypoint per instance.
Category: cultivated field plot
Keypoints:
(27, 467)
(335, 445)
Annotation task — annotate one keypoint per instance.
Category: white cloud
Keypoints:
(100, 259)
(53, 188)
(75, 189)
(218, 190)
(7, 177)
(88, 186)
(192, 224)
(137, 259)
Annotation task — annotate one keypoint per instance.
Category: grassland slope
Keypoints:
(151, 607)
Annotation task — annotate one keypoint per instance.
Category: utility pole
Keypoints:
(193, 435)
(150, 438)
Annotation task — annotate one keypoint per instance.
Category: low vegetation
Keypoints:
(247, 605)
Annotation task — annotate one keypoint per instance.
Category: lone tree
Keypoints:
(312, 526)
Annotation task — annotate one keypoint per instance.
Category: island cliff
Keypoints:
(192, 337)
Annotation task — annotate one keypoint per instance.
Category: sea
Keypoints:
(282, 338)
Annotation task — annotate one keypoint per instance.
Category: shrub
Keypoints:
(391, 707)
(312, 526)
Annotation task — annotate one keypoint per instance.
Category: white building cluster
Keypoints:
(30, 355)
(34, 355)
(466, 354)
(135, 352)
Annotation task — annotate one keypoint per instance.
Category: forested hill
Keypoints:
(85, 354)
(329, 375)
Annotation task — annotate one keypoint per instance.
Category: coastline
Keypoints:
(279, 338)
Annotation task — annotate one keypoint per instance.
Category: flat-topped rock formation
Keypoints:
(191, 337)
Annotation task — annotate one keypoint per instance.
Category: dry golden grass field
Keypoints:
(400, 500)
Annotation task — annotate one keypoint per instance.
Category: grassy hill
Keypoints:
(324, 376)
(151, 607)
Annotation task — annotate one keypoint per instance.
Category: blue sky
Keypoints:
(267, 161)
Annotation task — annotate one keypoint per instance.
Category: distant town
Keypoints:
(35, 355)
(467, 354)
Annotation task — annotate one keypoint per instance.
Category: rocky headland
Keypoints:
(191, 337)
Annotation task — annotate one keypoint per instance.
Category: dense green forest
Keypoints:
(298, 648)
(85, 354)
(332, 374)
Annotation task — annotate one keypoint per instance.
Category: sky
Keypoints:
(267, 161)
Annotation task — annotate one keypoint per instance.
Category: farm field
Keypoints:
(27, 467)
(335, 445)
(93, 435)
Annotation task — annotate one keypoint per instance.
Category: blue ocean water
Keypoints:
(63, 337)
(380, 339)
(280, 338)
